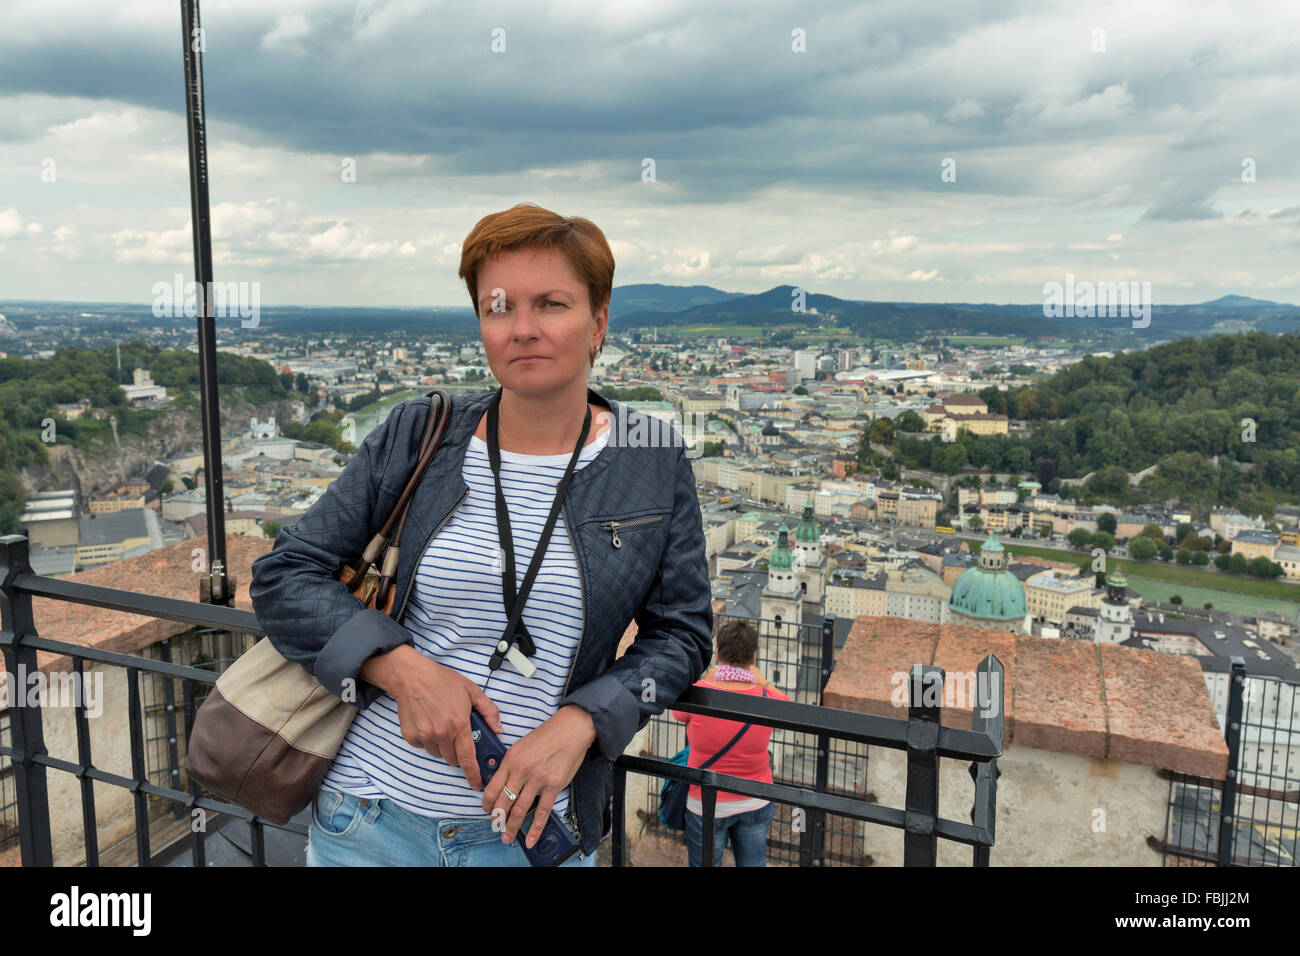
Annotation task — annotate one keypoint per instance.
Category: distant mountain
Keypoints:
(640, 306)
(764, 308)
(901, 321)
(1245, 302)
(653, 297)
(883, 320)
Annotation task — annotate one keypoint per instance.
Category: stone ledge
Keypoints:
(1104, 702)
(163, 572)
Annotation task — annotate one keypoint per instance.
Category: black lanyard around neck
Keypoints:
(514, 603)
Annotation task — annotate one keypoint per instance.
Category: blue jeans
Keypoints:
(748, 833)
(356, 831)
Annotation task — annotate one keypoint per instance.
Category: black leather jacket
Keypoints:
(651, 567)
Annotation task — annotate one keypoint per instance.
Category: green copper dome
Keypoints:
(782, 557)
(988, 590)
(807, 529)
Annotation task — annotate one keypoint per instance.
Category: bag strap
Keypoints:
(732, 742)
(435, 426)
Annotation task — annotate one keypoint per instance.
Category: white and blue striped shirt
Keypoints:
(456, 616)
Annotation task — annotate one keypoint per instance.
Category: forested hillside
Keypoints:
(31, 390)
(1178, 405)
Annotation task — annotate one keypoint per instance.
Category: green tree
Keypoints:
(1200, 558)
(909, 421)
(1166, 553)
(1153, 532)
(1176, 599)
(270, 529)
(950, 458)
(881, 432)
(1221, 562)
(1106, 522)
(1262, 567)
(1103, 540)
(1142, 549)
(1238, 564)
(1018, 457)
(1080, 538)
(1184, 556)
(1110, 481)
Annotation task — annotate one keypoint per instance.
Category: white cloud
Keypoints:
(964, 110)
(895, 244)
(11, 223)
(286, 36)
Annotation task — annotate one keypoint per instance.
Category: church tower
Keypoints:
(780, 637)
(810, 566)
(1114, 617)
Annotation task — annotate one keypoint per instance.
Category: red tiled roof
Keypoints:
(164, 572)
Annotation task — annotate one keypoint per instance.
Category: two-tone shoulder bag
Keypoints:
(268, 731)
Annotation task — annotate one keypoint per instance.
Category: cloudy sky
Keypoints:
(790, 144)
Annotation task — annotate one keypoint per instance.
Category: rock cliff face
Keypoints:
(93, 471)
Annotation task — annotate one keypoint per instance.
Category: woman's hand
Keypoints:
(539, 765)
(433, 705)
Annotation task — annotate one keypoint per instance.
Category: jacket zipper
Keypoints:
(411, 583)
(613, 526)
(582, 595)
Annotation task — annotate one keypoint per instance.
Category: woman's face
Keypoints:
(531, 303)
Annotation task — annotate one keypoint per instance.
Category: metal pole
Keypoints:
(216, 589)
(1228, 808)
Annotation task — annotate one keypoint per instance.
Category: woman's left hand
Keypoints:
(540, 764)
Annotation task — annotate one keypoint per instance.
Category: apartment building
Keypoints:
(1254, 544)
(917, 509)
(918, 594)
(1050, 595)
(852, 596)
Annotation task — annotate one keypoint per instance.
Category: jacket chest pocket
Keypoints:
(614, 526)
(625, 553)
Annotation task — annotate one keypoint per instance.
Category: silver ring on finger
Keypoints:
(512, 796)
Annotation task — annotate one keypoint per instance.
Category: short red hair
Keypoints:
(529, 226)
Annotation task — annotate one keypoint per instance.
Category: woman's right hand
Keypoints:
(433, 705)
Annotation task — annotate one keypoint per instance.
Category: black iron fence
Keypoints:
(26, 749)
(1253, 817)
(168, 693)
(8, 792)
